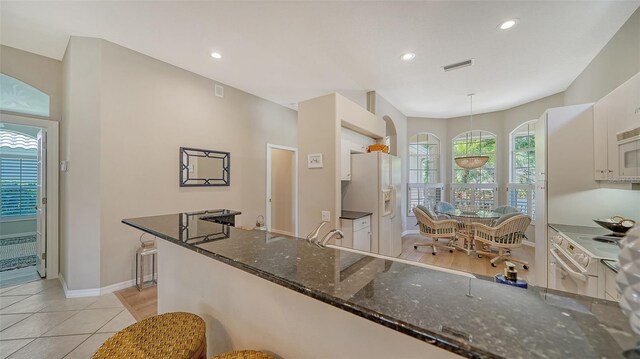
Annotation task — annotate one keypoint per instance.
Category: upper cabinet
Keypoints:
(351, 142)
(616, 128)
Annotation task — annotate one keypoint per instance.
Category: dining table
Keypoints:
(465, 219)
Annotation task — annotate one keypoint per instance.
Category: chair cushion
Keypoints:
(505, 210)
(443, 207)
(429, 212)
(504, 217)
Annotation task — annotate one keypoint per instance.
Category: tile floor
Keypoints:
(37, 321)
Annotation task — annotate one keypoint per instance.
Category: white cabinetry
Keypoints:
(357, 233)
(614, 114)
(610, 291)
(351, 142)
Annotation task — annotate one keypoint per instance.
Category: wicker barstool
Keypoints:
(170, 335)
(244, 354)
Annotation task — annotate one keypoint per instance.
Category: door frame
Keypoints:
(267, 220)
(52, 128)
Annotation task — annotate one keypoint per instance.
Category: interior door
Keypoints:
(41, 205)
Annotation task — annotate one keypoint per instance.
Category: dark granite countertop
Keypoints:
(497, 321)
(352, 215)
(613, 265)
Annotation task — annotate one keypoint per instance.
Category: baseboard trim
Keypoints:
(77, 293)
(529, 243)
(410, 231)
(94, 292)
(277, 231)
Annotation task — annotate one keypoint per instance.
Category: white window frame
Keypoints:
(528, 187)
(474, 186)
(425, 187)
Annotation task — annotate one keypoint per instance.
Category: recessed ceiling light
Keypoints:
(408, 56)
(216, 55)
(508, 24)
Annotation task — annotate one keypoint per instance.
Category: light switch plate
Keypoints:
(326, 216)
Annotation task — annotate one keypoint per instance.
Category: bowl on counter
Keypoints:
(616, 224)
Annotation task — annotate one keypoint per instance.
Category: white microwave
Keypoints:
(629, 153)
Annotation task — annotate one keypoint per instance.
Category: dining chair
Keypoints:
(504, 236)
(434, 228)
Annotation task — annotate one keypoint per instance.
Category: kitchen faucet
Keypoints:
(313, 236)
(330, 235)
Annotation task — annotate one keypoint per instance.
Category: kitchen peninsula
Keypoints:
(272, 292)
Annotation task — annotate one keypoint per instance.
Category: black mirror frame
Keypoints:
(226, 168)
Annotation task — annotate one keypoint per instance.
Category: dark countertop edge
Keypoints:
(610, 264)
(422, 334)
(352, 215)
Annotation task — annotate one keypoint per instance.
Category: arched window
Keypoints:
(522, 144)
(19, 97)
(474, 188)
(18, 174)
(424, 185)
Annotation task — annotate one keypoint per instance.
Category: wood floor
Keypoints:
(467, 263)
(141, 304)
(144, 304)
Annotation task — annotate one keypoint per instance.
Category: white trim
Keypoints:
(94, 292)
(24, 234)
(285, 233)
(52, 128)
(528, 243)
(77, 293)
(267, 219)
(410, 231)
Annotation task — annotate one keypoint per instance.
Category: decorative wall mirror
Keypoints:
(204, 168)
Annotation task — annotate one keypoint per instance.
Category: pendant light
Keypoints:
(474, 161)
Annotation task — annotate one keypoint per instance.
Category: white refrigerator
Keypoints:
(375, 187)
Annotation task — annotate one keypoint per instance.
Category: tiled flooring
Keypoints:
(37, 321)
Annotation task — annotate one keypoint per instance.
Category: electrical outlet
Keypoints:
(326, 216)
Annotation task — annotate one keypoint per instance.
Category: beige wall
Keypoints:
(80, 200)
(282, 176)
(123, 149)
(617, 62)
(41, 72)
(318, 188)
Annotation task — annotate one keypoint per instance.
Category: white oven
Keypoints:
(629, 153)
(571, 269)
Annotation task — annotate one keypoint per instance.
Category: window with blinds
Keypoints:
(18, 187)
(521, 193)
(424, 185)
(474, 189)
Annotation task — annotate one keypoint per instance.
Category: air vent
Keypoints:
(458, 65)
(219, 91)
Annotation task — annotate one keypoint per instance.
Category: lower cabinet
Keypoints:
(610, 291)
(357, 233)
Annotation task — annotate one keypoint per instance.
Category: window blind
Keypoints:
(18, 187)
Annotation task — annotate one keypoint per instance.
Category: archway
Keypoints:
(392, 135)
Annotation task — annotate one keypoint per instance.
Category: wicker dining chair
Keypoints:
(435, 229)
(504, 236)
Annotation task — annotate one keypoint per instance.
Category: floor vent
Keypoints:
(458, 65)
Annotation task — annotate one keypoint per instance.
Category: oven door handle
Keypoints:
(581, 276)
